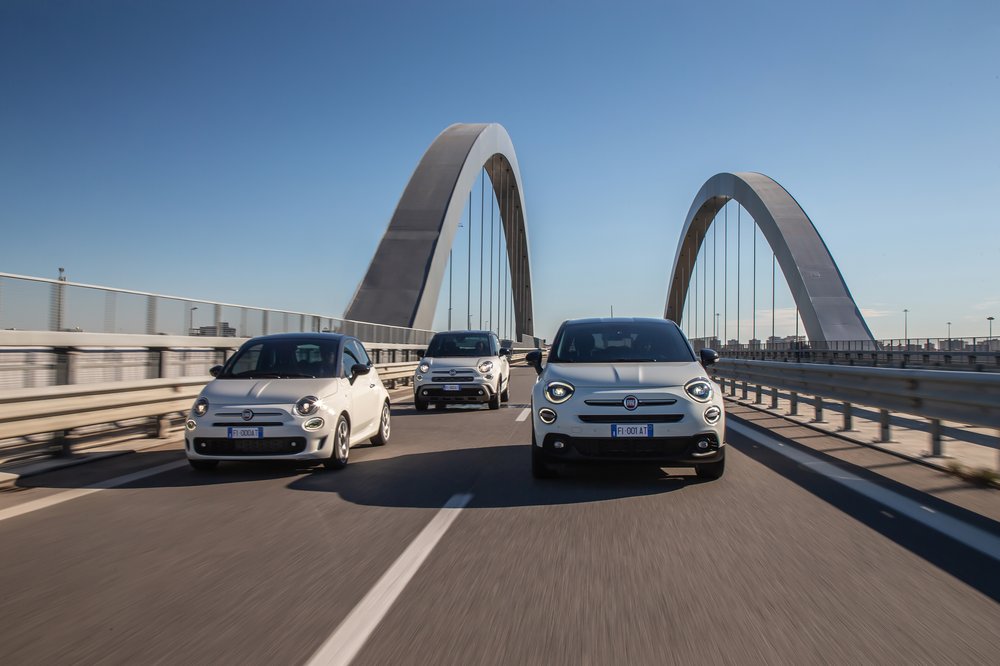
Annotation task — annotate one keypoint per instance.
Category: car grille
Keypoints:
(457, 379)
(268, 446)
(244, 424)
(642, 403)
(631, 448)
(631, 418)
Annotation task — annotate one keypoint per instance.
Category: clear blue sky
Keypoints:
(254, 152)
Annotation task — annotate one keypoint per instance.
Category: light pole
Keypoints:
(715, 330)
(949, 336)
(906, 330)
(990, 320)
(191, 321)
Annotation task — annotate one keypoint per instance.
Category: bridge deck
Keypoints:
(775, 563)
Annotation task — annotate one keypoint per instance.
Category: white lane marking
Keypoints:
(348, 639)
(59, 498)
(981, 540)
(523, 416)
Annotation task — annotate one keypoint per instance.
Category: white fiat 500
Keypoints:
(629, 390)
(292, 396)
(462, 367)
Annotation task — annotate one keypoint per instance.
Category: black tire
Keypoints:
(539, 468)
(505, 394)
(495, 401)
(340, 447)
(421, 405)
(203, 465)
(384, 427)
(711, 470)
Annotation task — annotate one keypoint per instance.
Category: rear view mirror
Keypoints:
(215, 371)
(505, 352)
(534, 359)
(709, 356)
(359, 369)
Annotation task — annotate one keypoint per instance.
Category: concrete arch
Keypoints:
(404, 279)
(828, 311)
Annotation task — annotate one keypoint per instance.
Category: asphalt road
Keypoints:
(261, 564)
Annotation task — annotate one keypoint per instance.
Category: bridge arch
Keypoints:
(405, 276)
(825, 304)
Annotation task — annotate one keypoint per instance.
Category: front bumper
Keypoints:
(288, 441)
(681, 451)
(468, 392)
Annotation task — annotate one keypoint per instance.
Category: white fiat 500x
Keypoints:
(629, 390)
(291, 396)
(462, 367)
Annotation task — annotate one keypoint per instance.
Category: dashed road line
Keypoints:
(352, 634)
(523, 416)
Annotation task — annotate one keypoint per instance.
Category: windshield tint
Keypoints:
(283, 359)
(460, 344)
(621, 342)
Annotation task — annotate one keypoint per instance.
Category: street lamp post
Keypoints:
(906, 330)
(949, 336)
(715, 329)
(191, 320)
(990, 320)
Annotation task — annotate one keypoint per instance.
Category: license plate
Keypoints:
(246, 433)
(452, 387)
(632, 430)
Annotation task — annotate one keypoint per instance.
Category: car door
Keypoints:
(353, 403)
(365, 389)
(503, 361)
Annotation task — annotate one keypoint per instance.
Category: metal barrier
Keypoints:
(964, 397)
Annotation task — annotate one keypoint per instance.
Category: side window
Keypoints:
(347, 361)
(359, 352)
(495, 344)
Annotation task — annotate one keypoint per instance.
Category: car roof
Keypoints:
(459, 332)
(327, 337)
(619, 320)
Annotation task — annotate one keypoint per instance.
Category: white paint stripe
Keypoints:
(59, 498)
(523, 416)
(981, 540)
(348, 639)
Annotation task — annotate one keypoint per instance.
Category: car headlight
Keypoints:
(485, 366)
(200, 407)
(712, 415)
(700, 389)
(307, 405)
(314, 423)
(424, 367)
(558, 392)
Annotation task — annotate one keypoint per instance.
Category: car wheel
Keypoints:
(203, 465)
(341, 445)
(495, 401)
(384, 427)
(711, 470)
(505, 395)
(539, 468)
(421, 405)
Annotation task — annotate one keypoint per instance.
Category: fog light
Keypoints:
(547, 415)
(425, 392)
(313, 424)
(557, 444)
(489, 376)
(480, 391)
(703, 444)
(190, 424)
(420, 378)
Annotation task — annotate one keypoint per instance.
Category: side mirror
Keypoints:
(359, 369)
(215, 370)
(504, 351)
(534, 359)
(709, 356)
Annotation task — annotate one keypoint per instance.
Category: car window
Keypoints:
(468, 344)
(348, 359)
(289, 358)
(620, 342)
(494, 346)
(359, 352)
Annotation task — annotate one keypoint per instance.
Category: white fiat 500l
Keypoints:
(292, 396)
(629, 390)
(462, 367)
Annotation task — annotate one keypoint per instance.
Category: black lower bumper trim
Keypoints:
(269, 446)
(678, 450)
(471, 394)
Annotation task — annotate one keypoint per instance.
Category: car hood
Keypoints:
(446, 362)
(267, 391)
(631, 375)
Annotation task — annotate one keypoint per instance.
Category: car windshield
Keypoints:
(460, 344)
(621, 342)
(283, 359)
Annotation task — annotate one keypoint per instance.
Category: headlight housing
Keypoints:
(558, 392)
(424, 367)
(699, 389)
(485, 367)
(307, 405)
(200, 407)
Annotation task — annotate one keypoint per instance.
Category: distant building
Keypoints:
(224, 331)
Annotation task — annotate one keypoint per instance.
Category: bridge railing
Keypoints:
(968, 398)
(41, 304)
